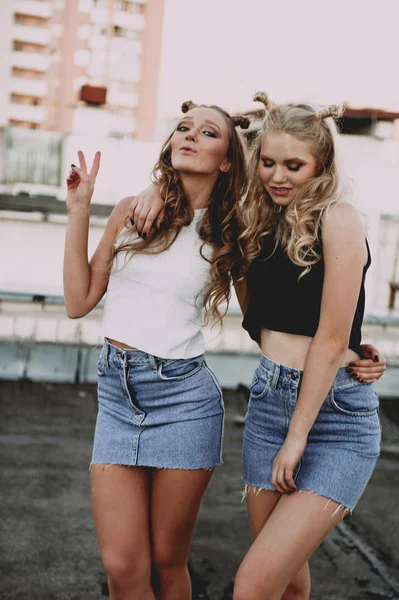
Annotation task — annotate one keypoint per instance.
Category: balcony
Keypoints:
(33, 8)
(31, 156)
(25, 86)
(32, 35)
(27, 113)
(30, 60)
(128, 21)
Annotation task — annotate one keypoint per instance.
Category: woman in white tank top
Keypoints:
(160, 420)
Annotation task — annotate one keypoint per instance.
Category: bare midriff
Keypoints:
(290, 349)
(120, 344)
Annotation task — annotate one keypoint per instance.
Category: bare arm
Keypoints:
(86, 282)
(344, 258)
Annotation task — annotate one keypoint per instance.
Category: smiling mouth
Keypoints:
(281, 190)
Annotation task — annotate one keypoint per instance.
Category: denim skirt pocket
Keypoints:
(259, 385)
(358, 400)
(179, 369)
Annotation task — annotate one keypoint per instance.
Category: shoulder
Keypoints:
(342, 220)
(120, 213)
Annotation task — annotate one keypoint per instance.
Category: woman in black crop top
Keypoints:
(303, 299)
(312, 431)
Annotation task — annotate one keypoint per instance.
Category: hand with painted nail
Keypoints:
(285, 462)
(371, 366)
(146, 208)
(80, 182)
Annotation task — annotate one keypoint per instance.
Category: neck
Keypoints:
(198, 189)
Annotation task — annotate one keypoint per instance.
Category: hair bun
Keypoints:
(333, 110)
(264, 98)
(241, 121)
(188, 105)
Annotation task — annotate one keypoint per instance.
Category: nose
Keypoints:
(191, 135)
(279, 175)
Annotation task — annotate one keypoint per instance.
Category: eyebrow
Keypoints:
(298, 160)
(206, 121)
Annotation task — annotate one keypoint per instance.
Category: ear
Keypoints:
(225, 166)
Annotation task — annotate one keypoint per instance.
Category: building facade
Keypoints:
(81, 66)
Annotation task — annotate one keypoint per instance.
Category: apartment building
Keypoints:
(81, 66)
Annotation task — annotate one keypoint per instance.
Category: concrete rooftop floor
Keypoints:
(48, 547)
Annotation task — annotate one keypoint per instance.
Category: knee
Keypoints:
(247, 585)
(297, 590)
(123, 568)
(167, 559)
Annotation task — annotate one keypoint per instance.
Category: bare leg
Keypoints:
(120, 497)
(176, 499)
(260, 505)
(295, 528)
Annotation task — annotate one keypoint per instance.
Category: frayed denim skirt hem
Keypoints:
(155, 412)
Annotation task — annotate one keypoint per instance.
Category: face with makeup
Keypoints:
(200, 142)
(286, 163)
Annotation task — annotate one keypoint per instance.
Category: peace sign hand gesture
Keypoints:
(80, 183)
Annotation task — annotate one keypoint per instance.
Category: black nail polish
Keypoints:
(354, 375)
(143, 235)
(348, 370)
(376, 358)
(72, 165)
(132, 222)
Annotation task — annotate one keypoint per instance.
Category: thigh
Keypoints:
(120, 498)
(175, 502)
(260, 505)
(295, 528)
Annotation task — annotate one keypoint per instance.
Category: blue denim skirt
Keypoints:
(343, 445)
(157, 412)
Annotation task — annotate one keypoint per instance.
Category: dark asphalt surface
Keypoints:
(48, 548)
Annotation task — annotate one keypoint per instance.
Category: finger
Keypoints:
(368, 378)
(141, 220)
(149, 220)
(82, 161)
(96, 165)
(370, 351)
(289, 479)
(361, 370)
(363, 363)
(160, 218)
(279, 481)
(79, 173)
(132, 208)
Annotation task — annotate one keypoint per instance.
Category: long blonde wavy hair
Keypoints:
(219, 225)
(296, 227)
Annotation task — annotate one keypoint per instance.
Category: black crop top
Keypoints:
(280, 302)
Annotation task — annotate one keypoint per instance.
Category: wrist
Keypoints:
(79, 209)
(299, 428)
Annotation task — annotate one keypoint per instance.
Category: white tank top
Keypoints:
(152, 301)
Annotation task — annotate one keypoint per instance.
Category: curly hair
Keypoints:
(295, 227)
(219, 226)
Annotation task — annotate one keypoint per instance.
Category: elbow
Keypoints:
(74, 313)
(336, 341)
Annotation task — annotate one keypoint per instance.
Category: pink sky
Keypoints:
(224, 50)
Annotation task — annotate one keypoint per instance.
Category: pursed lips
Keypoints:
(187, 149)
